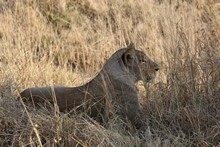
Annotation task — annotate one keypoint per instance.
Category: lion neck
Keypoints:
(117, 71)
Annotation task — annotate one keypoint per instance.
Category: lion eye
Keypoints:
(143, 61)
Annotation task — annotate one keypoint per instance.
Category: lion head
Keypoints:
(131, 64)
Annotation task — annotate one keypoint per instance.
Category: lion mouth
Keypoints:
(151, 79)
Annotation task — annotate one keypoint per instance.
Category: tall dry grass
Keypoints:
(67, 42)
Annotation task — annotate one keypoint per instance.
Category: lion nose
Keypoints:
(157, 68)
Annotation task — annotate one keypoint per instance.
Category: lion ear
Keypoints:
(131, 45)
(129, 54)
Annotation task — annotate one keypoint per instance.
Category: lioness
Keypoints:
(113, 86)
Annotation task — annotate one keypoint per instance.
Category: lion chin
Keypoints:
(151, 80)
(112, 91)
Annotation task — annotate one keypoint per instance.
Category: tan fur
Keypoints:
(112, 89)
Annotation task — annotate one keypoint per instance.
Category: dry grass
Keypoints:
(41, 42)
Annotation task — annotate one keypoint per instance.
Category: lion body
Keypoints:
(112, 90)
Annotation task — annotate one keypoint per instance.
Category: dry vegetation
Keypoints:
(67, 42)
